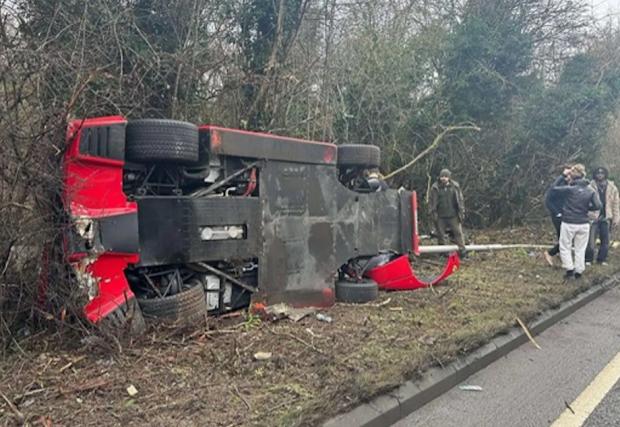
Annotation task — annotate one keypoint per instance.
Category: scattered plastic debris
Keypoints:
(280, 311)
(132, 390)
(470, 387)
(324, 318)
(262, 355)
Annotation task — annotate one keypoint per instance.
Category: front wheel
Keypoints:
(161, 141)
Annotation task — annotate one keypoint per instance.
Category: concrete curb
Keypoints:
(389, 408)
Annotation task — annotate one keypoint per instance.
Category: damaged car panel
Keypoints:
(95, 201)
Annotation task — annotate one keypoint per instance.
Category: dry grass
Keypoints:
(317, 369)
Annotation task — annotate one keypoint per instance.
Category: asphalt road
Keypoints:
(607, 413)
(531, 387)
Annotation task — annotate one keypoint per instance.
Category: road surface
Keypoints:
(573, 380)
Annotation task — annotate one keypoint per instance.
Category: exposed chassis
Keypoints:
(269, 218)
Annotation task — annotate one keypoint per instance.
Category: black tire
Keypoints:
(356, 292)
(126, 318)
(157, 141)
(359, 155)
(188, 306)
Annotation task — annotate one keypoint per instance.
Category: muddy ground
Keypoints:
(210, 375)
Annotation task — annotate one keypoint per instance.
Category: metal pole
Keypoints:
(439, 249)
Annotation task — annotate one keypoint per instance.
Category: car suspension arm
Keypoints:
(225, 276)
(215, 186)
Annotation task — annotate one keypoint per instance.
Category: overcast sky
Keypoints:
(603, 8)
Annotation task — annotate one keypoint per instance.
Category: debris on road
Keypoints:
(467, 387)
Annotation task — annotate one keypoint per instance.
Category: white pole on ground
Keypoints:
(439, 249)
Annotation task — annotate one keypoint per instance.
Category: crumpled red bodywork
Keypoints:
(398, 274)
(93, 190)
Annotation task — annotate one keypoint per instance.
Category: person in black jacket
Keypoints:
(580, 198)
(554, 201)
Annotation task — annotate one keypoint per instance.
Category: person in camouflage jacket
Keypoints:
(447, 209)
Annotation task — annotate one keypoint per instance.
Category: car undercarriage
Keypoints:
(172, 220)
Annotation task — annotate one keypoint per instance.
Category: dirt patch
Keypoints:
(316, 369)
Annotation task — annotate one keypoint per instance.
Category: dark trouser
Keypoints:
(453, 223)
(557, 223)
(598, 229)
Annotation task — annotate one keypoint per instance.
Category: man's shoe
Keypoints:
(588, 263)
(577, 275)
(602, 263)
(569, 274)
(548, 258)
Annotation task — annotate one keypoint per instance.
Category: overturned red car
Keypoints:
(172, 220)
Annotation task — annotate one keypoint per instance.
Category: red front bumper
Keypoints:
(93, 191)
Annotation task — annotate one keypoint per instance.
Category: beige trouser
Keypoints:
(574, 235)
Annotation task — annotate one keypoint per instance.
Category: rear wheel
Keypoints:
(359, 155)
(365, 290)
(158, 141)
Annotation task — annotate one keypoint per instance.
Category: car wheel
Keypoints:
(127, 317)
(356, 292)
(350, 155)
(188, 306)
(156, 141)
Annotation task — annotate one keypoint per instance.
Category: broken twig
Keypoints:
(527, 332)
(431, 147)
(245, 402)
(70, 364)
(86, 386)
(20, 417)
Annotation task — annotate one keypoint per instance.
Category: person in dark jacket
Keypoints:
(554, 201)
(447, 209)
(580, 198)
(608, 216)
